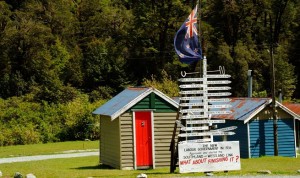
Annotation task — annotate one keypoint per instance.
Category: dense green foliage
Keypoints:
(61, 52)
(24, 121)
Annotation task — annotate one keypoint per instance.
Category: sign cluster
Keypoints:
(200, 99)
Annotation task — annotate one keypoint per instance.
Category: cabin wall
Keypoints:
(127, 142)
(163, 130)
(109, 142)
(241, 135)
(262, 134)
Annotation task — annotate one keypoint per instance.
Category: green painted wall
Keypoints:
(153, 101)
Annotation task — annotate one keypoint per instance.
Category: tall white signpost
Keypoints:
(202, 98)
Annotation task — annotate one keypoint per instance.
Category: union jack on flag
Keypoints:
(186, 41)
(191, 24)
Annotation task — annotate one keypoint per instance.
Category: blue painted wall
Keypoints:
(262, 140)
(241, 135)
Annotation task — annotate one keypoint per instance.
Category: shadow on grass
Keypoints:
(100, 166)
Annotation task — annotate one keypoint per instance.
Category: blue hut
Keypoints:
(254, 121)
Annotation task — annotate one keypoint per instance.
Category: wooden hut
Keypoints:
(136, 128)
(295, 107)
(254, 121)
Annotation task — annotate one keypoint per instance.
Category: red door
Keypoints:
(143, 138)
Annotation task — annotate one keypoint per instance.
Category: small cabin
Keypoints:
(136, 128)
(295, 107)
(254, 121)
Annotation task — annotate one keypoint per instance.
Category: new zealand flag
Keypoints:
(186, 41)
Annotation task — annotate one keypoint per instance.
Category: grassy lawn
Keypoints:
(89, 166)
(50, 148)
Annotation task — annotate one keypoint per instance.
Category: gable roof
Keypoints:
(295, 107)
(244, 109)
(128, 98)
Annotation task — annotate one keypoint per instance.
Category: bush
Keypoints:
(23, 121)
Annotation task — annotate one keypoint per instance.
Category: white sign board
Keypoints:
(205, 157)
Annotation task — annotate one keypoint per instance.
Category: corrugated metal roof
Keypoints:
(295, 107)
(128, 98)
(118, 102)
(243, 108)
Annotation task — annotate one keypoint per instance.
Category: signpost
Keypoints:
(201, 99)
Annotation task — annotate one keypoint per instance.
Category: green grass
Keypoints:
(42, 149)
(89, 166)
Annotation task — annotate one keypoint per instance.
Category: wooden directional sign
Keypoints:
(194, 134)
(219, 82)
(222, 133)
(194, 116)
(191, 92)
(190, 80)
(205, 121)
(219, 112)
(218, 76)
(219, 100)
(194, 128)
(218, 88)
(191, 104)
(224, 129)
(220, 106)
(218, 94)
(192, 86)
(204, 134)
(197, 140)
(191, 98)
(191, 110)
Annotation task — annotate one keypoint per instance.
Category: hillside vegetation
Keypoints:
(60, 59)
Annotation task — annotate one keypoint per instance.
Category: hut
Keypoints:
(136, 127)
(295, 107)
(254, 121)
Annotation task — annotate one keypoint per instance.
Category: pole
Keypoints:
(274, 103)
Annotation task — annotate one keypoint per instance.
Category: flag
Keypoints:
(186, 41)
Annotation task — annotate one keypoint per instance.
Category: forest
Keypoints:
(61, 59)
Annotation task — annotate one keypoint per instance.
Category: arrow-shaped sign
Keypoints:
(190, 80)
(218, 76)
(192, 86)
(218, 94)
(219, 100)
(191, 92)
(196, 141)
(194, 128)
(191, 110)
(204, 134)
(220, 106)
(219, 82)
(191, 104)
(205, 121)
(218, 88)
(219, 112)
(191, 98)
(222, 133)
(194, 116)
(224, 129)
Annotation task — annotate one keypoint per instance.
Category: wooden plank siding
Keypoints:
(241, 135)
(262, 139)
(163, 129)
(110, 142)
(127, 143)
